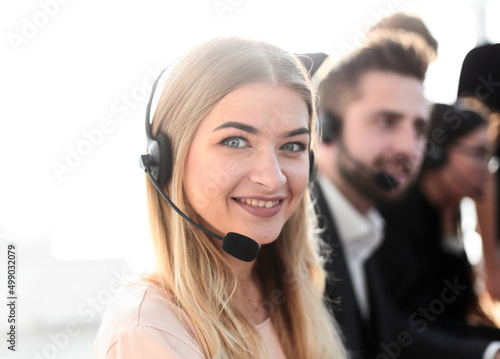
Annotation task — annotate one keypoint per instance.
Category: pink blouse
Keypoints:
(142, 323)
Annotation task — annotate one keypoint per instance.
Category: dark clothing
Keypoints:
(429, 287)
(497, 204)
(412, 258)
(358, 336)
(396, 328)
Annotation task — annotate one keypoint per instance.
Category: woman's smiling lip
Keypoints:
(260, 206)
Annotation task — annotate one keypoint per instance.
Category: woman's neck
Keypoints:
(445, 204)
(249, 294)
(437, 194)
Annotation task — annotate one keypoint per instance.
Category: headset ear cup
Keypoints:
(165, 161)
(327, 135)
(311, 163)
(437, 157)
(331, 125)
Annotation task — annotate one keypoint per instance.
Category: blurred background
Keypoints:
(75, 80)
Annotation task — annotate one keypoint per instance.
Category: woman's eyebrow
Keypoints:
(254, 131)
(240, 126)
(298, 131)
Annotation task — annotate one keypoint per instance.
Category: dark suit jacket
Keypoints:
(394, 330)
(357, 334)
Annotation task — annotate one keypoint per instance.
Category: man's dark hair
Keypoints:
(387, 53)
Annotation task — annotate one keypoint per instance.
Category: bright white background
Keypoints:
(74, 82)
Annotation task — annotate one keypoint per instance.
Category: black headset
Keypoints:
(158, 164)
(331, 127)
(437, 157)
(160, 148)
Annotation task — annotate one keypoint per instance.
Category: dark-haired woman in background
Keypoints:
(422, 260)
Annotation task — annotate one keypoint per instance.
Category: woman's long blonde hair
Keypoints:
(189, 266)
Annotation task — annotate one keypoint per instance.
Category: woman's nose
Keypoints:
(267, 172)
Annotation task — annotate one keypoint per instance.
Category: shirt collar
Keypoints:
(354, 225)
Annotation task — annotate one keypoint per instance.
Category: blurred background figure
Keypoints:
(407, 27)
(373, 119)
(479, 90)
(422, 260)
(389, 302)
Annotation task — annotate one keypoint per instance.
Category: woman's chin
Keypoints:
(264, 239)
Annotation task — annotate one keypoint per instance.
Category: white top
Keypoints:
(141, 322)
(359, 234)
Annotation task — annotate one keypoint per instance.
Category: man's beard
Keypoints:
(364, 182)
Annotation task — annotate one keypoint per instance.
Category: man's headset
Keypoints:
(331, 130)
(158, 164)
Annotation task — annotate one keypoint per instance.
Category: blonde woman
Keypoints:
(238, 114)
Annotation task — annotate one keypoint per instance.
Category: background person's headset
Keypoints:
(436, 157)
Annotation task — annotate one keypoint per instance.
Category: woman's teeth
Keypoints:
(257, 203)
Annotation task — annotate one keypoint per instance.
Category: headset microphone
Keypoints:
(385, 181)
(158, 166)
(235, 244)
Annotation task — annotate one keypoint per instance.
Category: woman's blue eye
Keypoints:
(234, 142)
(294, 147)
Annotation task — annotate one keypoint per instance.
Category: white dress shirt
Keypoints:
(360, 235)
